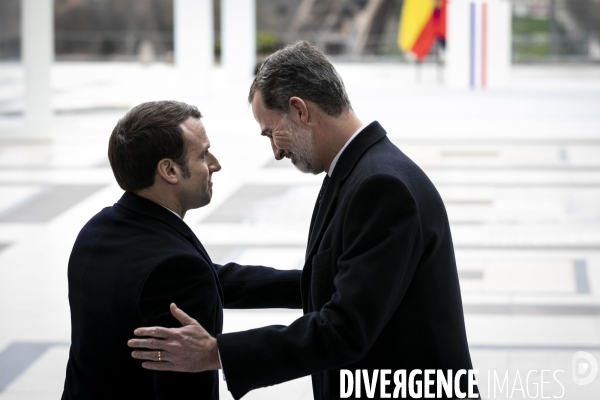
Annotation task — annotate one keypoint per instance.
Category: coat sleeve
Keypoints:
(381, 246)
(189, 282)
(250, 286)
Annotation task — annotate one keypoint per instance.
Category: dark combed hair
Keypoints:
(146, 134)
(301, 70)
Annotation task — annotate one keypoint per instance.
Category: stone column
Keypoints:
(37, 52)
(238, 37)
(194, 47)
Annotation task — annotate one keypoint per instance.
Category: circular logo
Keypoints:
(585, 368)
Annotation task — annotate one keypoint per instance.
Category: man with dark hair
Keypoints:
(148, 133)
(379, 286)
(133, 259)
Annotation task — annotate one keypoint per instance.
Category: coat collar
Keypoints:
(370, 135)
(150, 209)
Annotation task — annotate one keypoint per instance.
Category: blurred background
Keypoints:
(514, 152)
(543, 31)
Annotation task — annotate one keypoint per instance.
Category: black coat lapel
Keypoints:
(365, 139)
(313, 219)
(323, 216)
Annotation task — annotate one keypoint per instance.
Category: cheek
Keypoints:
(201, 171)
(205, 172)
(282, 140)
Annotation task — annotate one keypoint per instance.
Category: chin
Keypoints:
(206, 200)
(201, 203)
(307, 169)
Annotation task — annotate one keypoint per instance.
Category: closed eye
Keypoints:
(267, 133)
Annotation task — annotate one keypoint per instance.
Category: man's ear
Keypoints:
(168, 171)
(298, 110)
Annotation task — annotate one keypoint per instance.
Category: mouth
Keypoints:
(290, 155)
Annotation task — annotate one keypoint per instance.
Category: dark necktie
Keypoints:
(316, 210)
(323, 189)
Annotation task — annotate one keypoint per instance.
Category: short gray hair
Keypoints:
(300, 69)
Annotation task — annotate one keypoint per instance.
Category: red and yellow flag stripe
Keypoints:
(421, 22)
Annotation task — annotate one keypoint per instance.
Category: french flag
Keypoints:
(478, 44)
(478, 47)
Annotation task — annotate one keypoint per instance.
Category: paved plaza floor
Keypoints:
(518, 169)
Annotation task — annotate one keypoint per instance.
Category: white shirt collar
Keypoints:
(337, 157)
(178, 216)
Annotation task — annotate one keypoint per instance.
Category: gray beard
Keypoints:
(302, 144)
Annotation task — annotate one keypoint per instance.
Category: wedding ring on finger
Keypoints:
(159, 359)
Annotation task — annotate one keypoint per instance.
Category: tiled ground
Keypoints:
(519, 171)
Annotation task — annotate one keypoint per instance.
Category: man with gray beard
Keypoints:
(379, 286)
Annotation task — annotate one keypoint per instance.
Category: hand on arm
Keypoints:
(186, 349)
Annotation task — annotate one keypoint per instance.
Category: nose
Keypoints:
(277, 152)
(214, 165)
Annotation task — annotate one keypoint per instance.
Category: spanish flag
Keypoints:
(421, 22)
